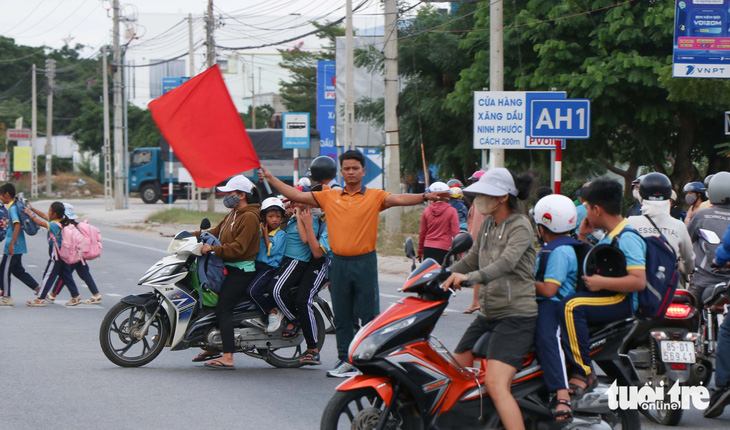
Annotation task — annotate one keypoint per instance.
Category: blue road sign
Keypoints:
(296, 130)
(561, 119)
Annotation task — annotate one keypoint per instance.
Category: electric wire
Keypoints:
(63, 21)
(42, 19)
(20, 22)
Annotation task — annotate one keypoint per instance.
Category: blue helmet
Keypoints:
(694, 187)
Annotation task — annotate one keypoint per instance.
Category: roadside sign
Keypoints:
(170, 83)
(502, 118)
(701, 39)
(727, 123)
(296, 130)
(561, 119)
(18, 134)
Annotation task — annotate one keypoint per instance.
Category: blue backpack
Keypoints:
(662, 274)
(27, 224)
(4, 222)
(581, 250)
(211, 270)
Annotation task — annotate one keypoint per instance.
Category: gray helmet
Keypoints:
(719, 189)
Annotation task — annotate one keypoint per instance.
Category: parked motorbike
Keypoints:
(135, 330)
(410, 380)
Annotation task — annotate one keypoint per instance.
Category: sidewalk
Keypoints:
(134, 218)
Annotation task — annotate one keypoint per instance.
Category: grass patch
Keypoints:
(184, 216)
(393, 244)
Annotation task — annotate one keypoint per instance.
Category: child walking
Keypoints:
(81, 268)
(14, 249)
(56, 267)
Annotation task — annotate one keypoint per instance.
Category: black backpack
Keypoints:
(27, 224)
(581, 250)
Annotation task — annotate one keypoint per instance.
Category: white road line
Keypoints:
(135, 245)
(31, 265)
(391, 296)
(113, 295)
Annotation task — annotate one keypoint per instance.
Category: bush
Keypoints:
(57, 164)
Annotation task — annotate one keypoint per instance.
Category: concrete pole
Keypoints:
(108, 199)
(117, 100)
(349, 78)
(210, 42)
(253, 97)
(191, 64)
(392, 147)
(496, 65)
(33, 137)
(50, 72)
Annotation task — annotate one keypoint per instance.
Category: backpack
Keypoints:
(211, 270)
(27, 224)
(71, 249)
(91, 244)
(581, 250)
(662, 274)
(4, 221)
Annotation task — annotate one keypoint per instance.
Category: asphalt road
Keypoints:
(54, 374)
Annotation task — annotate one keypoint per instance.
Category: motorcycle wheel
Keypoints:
(360, 409)
(623, 420)
(116, 336)
(288, 358)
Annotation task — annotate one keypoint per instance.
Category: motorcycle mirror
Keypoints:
(205, 224)
(461, 243)
(410, 251)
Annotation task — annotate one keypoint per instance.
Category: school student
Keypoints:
(12, 262)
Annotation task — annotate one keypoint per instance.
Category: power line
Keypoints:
(8, 31)
(42, 19)
(59, 23)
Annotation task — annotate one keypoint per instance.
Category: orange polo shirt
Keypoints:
(352, 219)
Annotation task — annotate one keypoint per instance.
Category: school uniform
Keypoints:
(56, 268)
(561, 270)
(580, 310)
(267, 261)
(13, 264)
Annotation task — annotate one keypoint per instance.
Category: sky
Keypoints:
(160, 31)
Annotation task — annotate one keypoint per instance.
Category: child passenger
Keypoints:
(56, 267)
(555, 277)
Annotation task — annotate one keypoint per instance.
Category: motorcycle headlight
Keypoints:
(367, 348)
(160, 272)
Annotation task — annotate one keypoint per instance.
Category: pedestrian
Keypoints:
(238, 234)
(81, 267)
(503, 261)
(439, 225)
(56, 267)
(12, 262)
(457, 202)
(352, 222)
(474, 220)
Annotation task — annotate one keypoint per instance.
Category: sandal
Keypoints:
(471, 309)
(51, 297)
(37, 303)
(204, 356)
(562, 417)
(93, 300)
(288, 333)
(74, 301)
(576, 391)
(310, 358)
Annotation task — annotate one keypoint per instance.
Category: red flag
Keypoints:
(201, 124)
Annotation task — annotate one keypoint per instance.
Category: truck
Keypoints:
(149, 168)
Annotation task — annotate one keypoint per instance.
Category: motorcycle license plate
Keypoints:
(678, 352)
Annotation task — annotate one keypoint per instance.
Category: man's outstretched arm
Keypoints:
(287, 191)
(414, 199)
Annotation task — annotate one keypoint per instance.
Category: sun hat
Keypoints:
(496, 182)
(237, 183)
(69, 211)
(478, 174)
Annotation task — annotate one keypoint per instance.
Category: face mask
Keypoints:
(636, 195)
(485, 205)
(690, 199)
(317, 212)
(231, 201)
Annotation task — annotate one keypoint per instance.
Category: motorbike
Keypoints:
(410, 380)
(135, 330)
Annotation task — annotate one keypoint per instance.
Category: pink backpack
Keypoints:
(71, 250)
(92, 240)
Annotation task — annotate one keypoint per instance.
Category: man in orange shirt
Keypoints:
(352, 221)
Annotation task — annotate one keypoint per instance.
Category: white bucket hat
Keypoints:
(69, 211)
(237, 183)
(495, 182)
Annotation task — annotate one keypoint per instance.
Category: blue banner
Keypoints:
(326, 108)
(702, 39)
(170, 83)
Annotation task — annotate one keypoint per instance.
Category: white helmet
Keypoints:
(305, 182)
(438, 186)
(556, 213)
(272, 203)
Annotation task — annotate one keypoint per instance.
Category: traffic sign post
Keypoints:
(295, 135)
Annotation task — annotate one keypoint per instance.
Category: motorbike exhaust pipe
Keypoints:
(698, 372)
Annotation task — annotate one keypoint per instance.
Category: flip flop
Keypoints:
(205, 357)
(215, 364)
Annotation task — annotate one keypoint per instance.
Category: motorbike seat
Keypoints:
(711, 295)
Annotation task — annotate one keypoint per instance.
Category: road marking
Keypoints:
(113, 295)
(31, 265)
(390, 296)
(135, 245)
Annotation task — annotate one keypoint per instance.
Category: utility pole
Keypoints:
(253, 97)
(392, 147)
(118, 135)
(209, 25)
(50, 72)
(108, 199)
(349, 78)
(191, 61)
(33, 137)
(496, 65)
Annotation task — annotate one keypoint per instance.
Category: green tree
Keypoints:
(263, 114)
